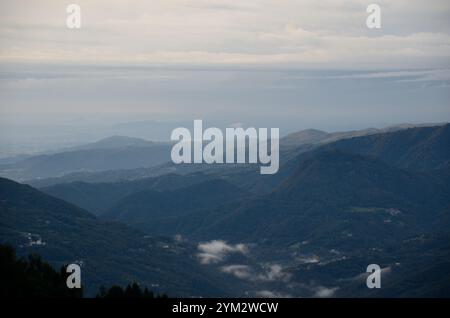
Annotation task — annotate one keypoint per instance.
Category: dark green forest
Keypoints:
(32, 277)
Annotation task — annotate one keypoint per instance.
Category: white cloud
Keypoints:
(314, 259)
(274, 272)
(325, 292)
(271, 294)
(216, 251)
(239, 271)
(269, 273)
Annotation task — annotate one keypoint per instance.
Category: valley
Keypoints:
(308, 231)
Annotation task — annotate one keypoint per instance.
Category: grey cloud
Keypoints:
(406, 75)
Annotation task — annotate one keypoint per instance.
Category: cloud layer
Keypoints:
(205, 32)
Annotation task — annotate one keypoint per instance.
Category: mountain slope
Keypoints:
(336, 214)
(157, 212)
(330, 212)
(110, 253)
(333, 193)
(98, 198)
(419, 149)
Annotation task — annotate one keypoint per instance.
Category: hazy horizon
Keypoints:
(290, 65)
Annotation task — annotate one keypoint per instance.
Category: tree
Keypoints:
(131, 291)
(31, 277)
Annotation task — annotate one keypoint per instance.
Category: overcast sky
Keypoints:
(305, 33)
(296, 64)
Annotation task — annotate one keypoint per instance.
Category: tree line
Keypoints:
(32, 277)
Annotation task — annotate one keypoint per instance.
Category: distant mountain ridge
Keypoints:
(429, 141)
(314, 136)
(421, 149)
(307, 136)
(109, 154)
(158, 162)
(117, 142)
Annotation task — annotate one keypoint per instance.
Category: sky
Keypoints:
(268, 63)
(304, 33)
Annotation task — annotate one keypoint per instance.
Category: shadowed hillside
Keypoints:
(111, 253)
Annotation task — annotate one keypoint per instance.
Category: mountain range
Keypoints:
(112, 153)
(108, 252)
(115, 157)
(308, 231)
